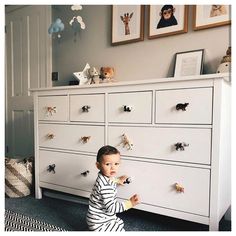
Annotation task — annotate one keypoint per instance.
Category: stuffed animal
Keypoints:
(93, 76)
(107, 74)
(225, 65)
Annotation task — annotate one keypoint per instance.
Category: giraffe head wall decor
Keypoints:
(126, 19)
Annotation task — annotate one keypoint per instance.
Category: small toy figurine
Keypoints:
(179, 188)
(181, 106)
(107, 74)
(126, 142)
(85, 108)
(85, 139)
(93, 76)
(127, 108)
(225, 65)
(127, 181)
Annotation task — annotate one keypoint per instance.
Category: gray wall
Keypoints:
(134, 61)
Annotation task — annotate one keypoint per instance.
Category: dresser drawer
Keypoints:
(156, 185)
(54, 108)
(171, 144)
(184, 106)
(69, 170)
(87, 108)
(71, 137)
(130, 107)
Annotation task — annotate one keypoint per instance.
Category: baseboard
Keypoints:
(65, 196)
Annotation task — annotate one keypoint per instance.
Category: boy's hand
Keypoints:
(135, 200)
(122, 179)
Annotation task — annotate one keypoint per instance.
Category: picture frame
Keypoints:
(161, 26)
(127, 24)
(209, 16)
(189, 63)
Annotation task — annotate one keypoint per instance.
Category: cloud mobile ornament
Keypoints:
(56, 27)
(76, 22)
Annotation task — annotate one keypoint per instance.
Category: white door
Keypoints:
(28, 65)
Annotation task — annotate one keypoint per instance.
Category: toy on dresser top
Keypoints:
(91, 75)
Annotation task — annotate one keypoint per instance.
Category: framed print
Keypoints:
(208, 16)
(165, 20)
(189, 63)
(127, 24)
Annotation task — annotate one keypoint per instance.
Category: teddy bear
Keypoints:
(93, 76)
(107, 74)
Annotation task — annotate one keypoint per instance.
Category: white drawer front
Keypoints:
(198, 110)
(53, 108)
(70, 137)
(155, 184)
(119, 105)
(193, 145)
(71, 170)
(87, 108)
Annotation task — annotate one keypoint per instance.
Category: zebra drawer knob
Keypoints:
(85, 108)
(180, 146)
(181, 106)
(127, 108)
(51, 168)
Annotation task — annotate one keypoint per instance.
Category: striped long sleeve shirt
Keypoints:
(103, 206)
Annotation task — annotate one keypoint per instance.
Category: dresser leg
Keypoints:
(214, 225)
(38, 192)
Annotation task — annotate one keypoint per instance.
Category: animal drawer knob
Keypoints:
(181, 146)
(85, 108)
(51, 168)
(50, 136)
(127, 143)
(179, 188)
(127, 108)
(127, 181)
(51, 110)
(85, 139)
(181, 106)
(85, 173)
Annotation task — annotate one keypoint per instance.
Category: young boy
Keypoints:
(103, 204)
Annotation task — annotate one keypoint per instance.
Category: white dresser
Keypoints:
(178, 149)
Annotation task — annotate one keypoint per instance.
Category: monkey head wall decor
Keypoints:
(167, 17)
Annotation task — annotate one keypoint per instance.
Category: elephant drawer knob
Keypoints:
(85, 139)
(181, 106)
(51, 110)
(85, 108)
(85, 173)
(181, 146)
(127, 108)
(51, 168)
(50, 136)
(179, 188)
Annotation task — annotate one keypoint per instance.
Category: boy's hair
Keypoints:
(106, 150)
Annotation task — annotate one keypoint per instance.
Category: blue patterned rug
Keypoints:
(18, 222)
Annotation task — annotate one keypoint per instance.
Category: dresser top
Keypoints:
(225, 76)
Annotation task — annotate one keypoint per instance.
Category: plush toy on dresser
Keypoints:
(107, 74)
(225, 65)
(93, 76)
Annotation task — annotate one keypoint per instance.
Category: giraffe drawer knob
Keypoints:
(181, 106)
(127, 143)
(51, 168)
(51, 110)
(181, 146)
(179, 188)
(85, 173)
(85, 139)
(50, 136)
(85, 108)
